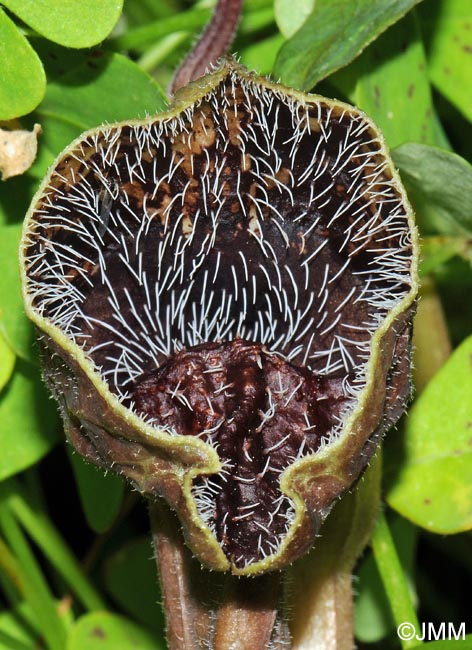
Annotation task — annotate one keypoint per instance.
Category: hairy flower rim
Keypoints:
(208, 461)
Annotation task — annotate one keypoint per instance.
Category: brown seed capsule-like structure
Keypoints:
(224, 295)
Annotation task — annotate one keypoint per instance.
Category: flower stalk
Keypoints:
(212, 610)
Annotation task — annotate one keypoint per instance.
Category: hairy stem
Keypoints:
(212, 610)
(326, 599)
(319, 586)
(214, 42)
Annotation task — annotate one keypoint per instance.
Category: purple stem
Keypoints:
(215, 40)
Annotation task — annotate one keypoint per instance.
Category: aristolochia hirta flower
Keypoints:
(224, 294)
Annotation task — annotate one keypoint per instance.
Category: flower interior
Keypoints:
(225, 269)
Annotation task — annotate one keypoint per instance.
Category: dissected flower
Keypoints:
(224, 296)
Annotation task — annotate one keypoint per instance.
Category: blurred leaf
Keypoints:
(332, 36)
(102, 88)
(67, 22)
(16, 193)
(430, 475)
(22, 78)
(7, 362)
(14, 635)
(149, 33)
(14, 325)
(431, 340)
(35, 520)
(393, 87)
(448, 24)
(26, 575)
(291, 14)
(437, 250)
(439, 184)
(256, 20)
(100, 495)
(29, 421)
(260, 56)
(131, 579)
(454, 283)
(373, 616)
(104, 631)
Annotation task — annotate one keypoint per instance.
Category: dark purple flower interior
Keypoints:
(225, 270)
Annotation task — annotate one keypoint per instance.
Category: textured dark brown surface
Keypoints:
(254, 407)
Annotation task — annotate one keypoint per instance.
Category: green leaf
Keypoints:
(102, 88)
(431, 466)
(7, 362)
(439, 185)
(13, 635)
(29, 421)
(333, 35)
(131, 580)
(14, 325)
(437, 250)
(68, 22)
(450, 50)
(101, 495)
(39, 527)
(149, 33)
(291, 14)
(15, 196)
(393, 86)
(256, 20)
(32, 583)
(103, 631)
(261, 55)
(22, 78)
(454, 281)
